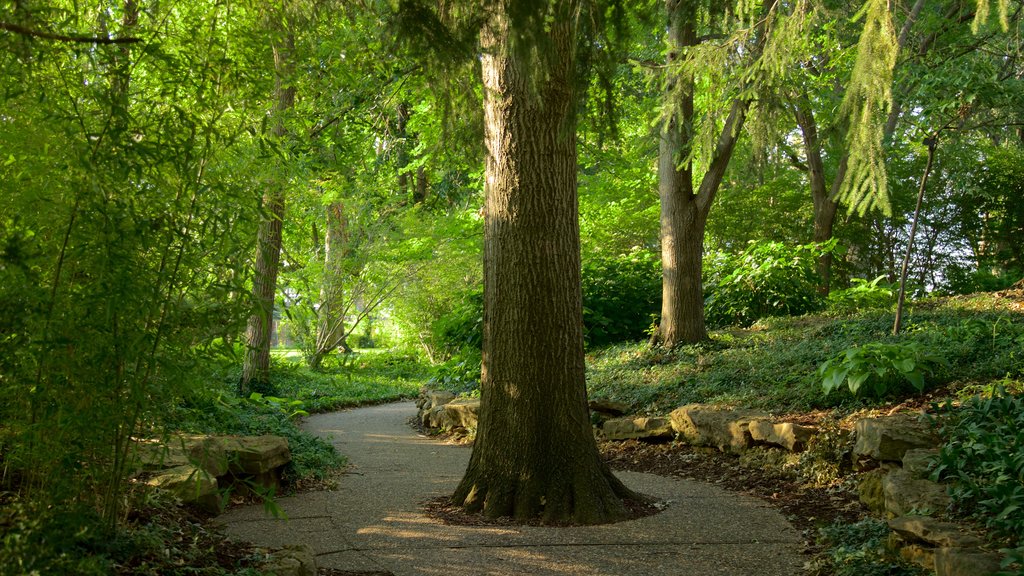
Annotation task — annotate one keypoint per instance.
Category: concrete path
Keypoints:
(373, 521)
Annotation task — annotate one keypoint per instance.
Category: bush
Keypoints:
(462, 327)
(880, 365)
(983, 457)
(862, 295)
(621, 296)
(766, 279)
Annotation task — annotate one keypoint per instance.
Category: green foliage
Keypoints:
(460, 374)
(859, 549)
(766, 279)
(879, 365)
(862, 295)
(983, 458)
(462, 327)
(621, 296)
(369, 377)
(773, 364)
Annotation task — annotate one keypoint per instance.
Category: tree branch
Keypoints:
(62, 38)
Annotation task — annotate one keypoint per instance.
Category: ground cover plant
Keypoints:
(774, 364)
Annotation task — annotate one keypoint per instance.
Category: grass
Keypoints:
(364, 377)
(771, 366)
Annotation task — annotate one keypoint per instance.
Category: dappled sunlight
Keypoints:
(413, 526)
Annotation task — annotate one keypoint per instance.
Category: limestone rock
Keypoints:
(933, 532)
(965, 562)
(253, 455)
(923, 556)
(462, 413)
(190, 484)
(869, 488)
(435, 417)
(609, 407)
(916, 461)
(638, 427)
(439, 398)
(292, 561)
(792, 437)
(888, 438)
(708, 426)
(905, 494)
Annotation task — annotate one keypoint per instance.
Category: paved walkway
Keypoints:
(373, 521)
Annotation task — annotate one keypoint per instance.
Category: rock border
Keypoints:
(893, 453)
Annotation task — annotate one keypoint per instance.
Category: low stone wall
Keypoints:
(197, 468)
(891, 451)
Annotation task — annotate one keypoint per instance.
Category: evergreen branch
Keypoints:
(64, 38)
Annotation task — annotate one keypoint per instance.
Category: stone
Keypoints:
(870, 491)
(889, 437)
(609, 407)
(917, 461)
(191, 485)
(439, 398)
(435, 417)
(251, 455)
(295, 560)
(725, 429)
(965, 562)
(933, 532)
(638, 427)
(792, 437)
(462, 413)
(923, 556)
(905, 494)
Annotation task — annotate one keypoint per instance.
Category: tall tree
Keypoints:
(535, 454)
(685, 203)
(256, 367)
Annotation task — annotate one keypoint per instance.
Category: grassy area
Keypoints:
(364, 377)
(772, 365)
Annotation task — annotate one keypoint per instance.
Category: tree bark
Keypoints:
(825, 207)
(256, 365)
(330, 331)
(684, 211)
(535, 454)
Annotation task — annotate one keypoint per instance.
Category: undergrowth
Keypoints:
(772, 365)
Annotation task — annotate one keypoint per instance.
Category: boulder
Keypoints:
(638, 427)
(869, 488)
(253, 455)
(725, 429)
(965, 562)
(437, 398)
(435, 417)
(462, 413)
(291, 561)
(923, 556)
(888, 438)
(191, 485)
(933, 532)
(918, 461)
(792, 437)
(609, 407)
(905, 494)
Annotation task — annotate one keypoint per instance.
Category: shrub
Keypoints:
(766, 279)
(880, 365)
(462, 327)
(983, 457)
(861, 295)
(621, 296)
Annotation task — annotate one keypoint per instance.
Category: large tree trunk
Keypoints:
(535, 454)
(684, 211)
(256, 366)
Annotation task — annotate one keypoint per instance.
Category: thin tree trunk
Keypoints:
(256, 366)
(330, 332)
(898, 324)
(535, 454)
(824, 207)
